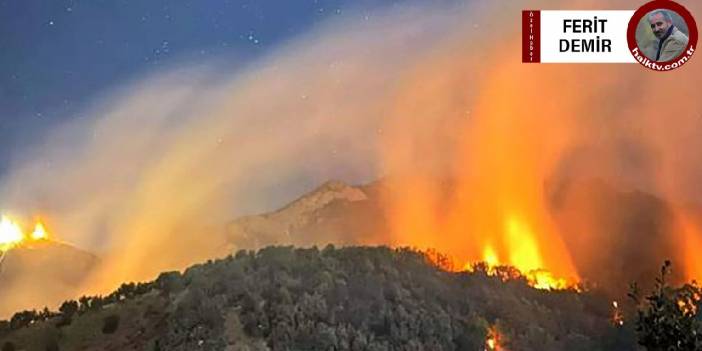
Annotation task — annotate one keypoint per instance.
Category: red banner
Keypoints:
(531, 36)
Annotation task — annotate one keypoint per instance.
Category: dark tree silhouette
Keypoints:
(669, 318)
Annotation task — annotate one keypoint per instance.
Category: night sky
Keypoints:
(57, 56)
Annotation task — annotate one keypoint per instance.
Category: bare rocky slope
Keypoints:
(335, 213)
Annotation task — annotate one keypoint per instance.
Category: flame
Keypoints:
(523, 250)
(490, 256)
(688, 305)
(491, 161)
(39, 232)
(492, 342)
(617, 315)
(545, 280)
(10, 234)
(524, 256)
(691, 242)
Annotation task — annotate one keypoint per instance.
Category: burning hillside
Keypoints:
(498, 163)
(344, 214)
(35, 269)
(354, 298)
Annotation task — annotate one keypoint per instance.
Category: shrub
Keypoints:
(110, 324)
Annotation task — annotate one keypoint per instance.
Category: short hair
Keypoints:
(666, 15)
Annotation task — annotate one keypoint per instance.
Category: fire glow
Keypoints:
(492, 343)
(524, 257)
(11, 234)
(538, 278)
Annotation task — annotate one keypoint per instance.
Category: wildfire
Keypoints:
(543, 279)
(39, 232)
(490, 256)
(524, 256)
(688, 305)
(11, 234)
(617, 315)
(537, 278)
(524, 252)
(492, 342)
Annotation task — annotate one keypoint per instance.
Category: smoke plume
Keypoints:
(419, 94)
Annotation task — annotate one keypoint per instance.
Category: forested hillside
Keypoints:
(355, 298)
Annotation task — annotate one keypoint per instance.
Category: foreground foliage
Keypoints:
(669, 319)
(356, 298)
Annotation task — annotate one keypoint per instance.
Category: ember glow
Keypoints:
(492, 342)
(617, 315)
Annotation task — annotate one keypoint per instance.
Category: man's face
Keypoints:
(659, 25)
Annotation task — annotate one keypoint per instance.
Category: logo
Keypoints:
(662, 35)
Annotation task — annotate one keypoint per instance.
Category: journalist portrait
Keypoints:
(671, 41)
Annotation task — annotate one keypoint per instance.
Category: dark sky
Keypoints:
(57, 55)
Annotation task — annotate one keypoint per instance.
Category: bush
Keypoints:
(170, 282)
(669, 318)
(23, 319)
(110, 324)
(4, 327)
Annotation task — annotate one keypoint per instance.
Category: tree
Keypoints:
(669, 318)
(67, 309)
(23, 319)
(170, 282)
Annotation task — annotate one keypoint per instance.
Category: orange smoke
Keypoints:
(691, 244)
(468, 137)
(475, 140)
(473, 185)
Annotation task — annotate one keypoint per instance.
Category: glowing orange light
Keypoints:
(542, 279)
(617, 315)
(523, 250)
(39, 232)
(492, 343)
(490, 257)
(524, 256)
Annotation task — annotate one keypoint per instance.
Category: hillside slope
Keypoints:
(355, 298)
(614, 235)
(57, 268)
